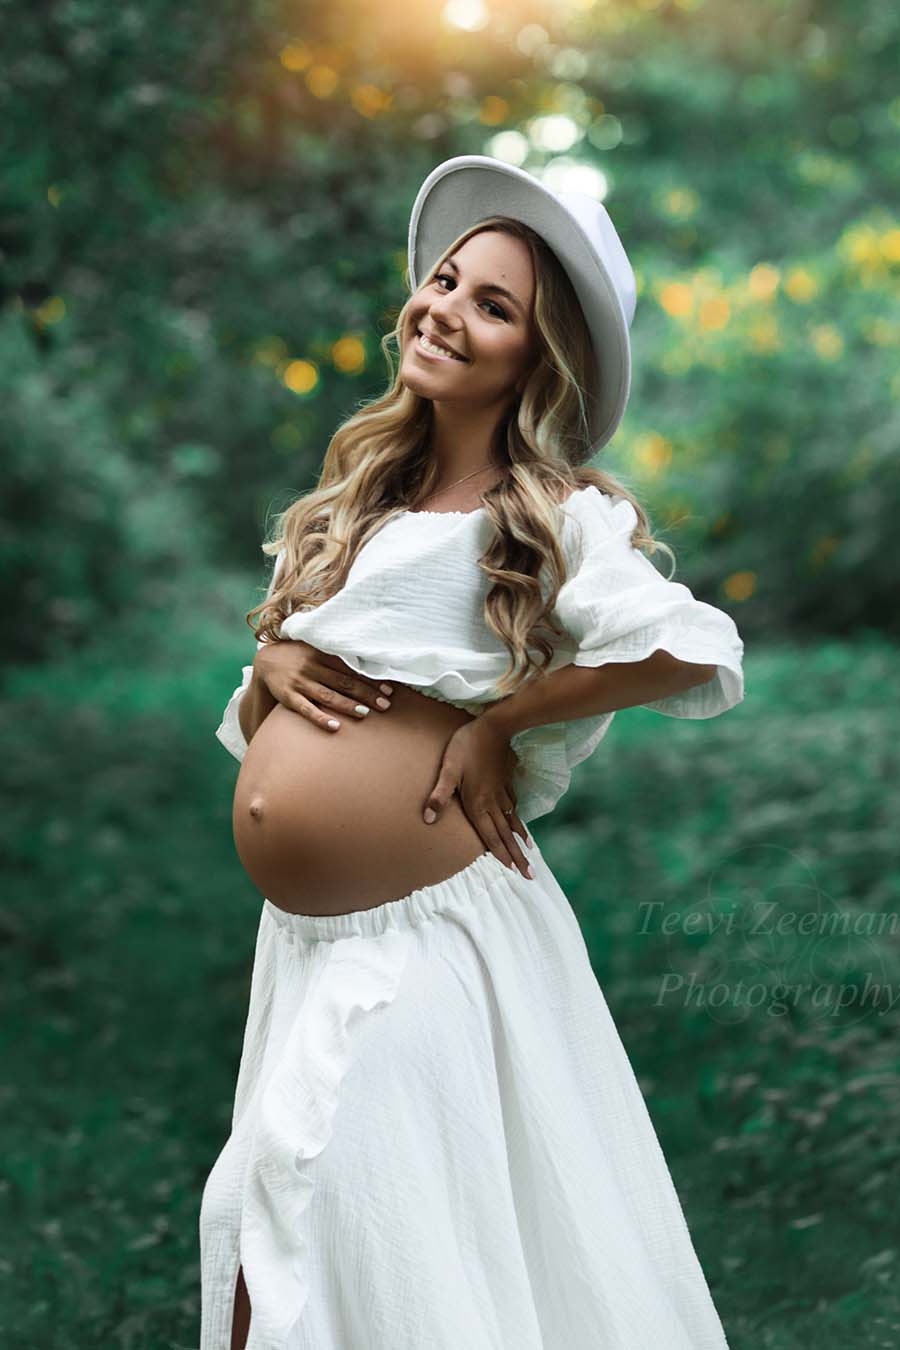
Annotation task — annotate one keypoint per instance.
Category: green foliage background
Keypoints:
(202, 236)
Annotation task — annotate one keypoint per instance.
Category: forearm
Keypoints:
(254, 707)
(588, 691)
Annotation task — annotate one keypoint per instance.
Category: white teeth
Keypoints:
(438, 351)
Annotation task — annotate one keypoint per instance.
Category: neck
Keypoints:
(462, 439)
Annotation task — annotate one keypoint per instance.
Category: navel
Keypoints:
(257, 807)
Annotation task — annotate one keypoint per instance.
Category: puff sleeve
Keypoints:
(229, 729)
(616, 606)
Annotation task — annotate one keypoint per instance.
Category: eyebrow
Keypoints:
(498, 290)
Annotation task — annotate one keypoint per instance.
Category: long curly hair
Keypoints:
(378, 464)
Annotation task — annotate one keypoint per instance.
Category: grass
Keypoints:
(127, 929)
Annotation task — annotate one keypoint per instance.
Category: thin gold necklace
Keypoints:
(441, 491)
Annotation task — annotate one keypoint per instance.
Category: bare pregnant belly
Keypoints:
(330, 822)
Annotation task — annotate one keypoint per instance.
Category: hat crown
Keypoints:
(594, 219)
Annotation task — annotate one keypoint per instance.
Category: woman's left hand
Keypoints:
(478, 765)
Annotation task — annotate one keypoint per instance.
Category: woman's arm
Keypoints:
(589, 691)
(255, 706)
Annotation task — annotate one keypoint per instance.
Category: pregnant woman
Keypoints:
(437, 1137)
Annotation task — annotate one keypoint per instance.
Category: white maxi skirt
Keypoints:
(438, 1141)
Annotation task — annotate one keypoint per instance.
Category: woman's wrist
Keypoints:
(499, 717)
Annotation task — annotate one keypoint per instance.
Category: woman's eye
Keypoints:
(444, 276)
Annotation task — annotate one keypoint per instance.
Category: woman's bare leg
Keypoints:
(240, 1325)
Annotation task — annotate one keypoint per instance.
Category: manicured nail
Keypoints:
(430, 816)
(333, 723)
(530, 871)
(386, 688)
(382, 702)
(361, 709)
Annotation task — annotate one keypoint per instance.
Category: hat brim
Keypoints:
(469, 188)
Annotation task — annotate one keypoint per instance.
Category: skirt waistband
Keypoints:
(421, 904)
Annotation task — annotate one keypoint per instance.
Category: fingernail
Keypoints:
(382, 702)
(361, 709)
(530, 871)
(333, 723)
(386, 688)
(430, 816)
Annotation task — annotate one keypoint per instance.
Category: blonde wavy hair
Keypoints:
(378, 464)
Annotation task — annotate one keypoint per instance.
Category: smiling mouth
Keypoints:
(435, 349)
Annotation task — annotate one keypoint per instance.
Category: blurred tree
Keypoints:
(214, 214)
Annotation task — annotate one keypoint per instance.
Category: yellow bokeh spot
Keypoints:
(677, 299)
(54, 196)
(301, 377)
(714, 313)
(369, 100)
(801, 285)
(762, 281)
(827, 341)
(653, 452)
(52, 310)
(322, 81)
(861, 244)
(296, 56)
(349, 354)
(890, 246)
(740, 585)
(870, 251)
(681, 202)
(493, 110)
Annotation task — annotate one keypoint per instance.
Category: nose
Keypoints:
(441, 309)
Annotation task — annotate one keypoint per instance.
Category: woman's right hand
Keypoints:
(301, 677)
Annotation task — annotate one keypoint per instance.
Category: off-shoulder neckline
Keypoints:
(479, 510)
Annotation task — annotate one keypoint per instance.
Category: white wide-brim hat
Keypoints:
(468, 188)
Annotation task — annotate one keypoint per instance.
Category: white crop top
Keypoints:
(411, 610)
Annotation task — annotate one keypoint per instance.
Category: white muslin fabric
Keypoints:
(438, 1140)
(412, 610)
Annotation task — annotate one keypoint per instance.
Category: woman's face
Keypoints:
(479, 305)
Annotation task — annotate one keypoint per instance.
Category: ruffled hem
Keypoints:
(419, 668)
(295, 1122)
(548, 754)
(709, 699)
